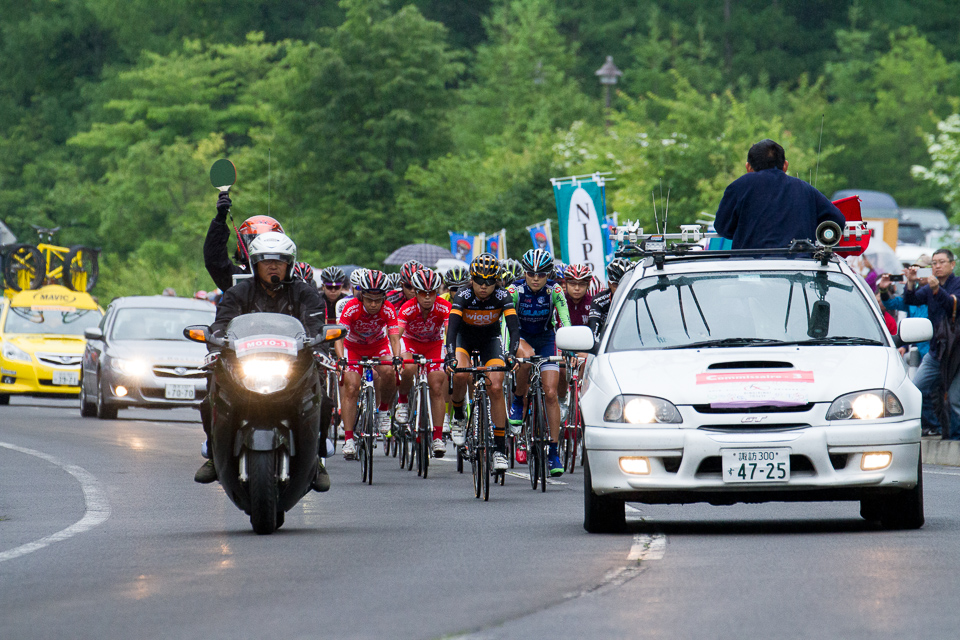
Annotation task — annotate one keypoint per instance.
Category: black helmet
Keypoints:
(485, 266)
(616, 269)
(332, 275)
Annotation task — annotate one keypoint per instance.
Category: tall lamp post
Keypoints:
(608, 75)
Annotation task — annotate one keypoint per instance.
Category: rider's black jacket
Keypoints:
(599, 308)
(215, 257)
(293, 298)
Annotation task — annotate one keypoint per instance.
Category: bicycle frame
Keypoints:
(366, 412)
(421, 415)
(480, 431)
(572, 429)
(535, 429)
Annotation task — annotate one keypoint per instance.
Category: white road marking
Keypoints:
(648, 546)
(526, 476)
(97, 505)
(941, 473)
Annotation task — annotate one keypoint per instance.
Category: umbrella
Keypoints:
(427, 254)
(349, 268)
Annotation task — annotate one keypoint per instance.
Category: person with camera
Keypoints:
(940, 292)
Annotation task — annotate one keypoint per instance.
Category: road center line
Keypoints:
(97, 505)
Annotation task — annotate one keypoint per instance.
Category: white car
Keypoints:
(725, 379)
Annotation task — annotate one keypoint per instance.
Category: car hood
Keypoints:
(755, 375)
(159, 351)
(46, 343)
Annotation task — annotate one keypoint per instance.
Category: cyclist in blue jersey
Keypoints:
(537, 299)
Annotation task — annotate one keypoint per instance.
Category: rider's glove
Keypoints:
(511, 361)
(342, 362)
(450, 361)
(397, 361)
(223, 206)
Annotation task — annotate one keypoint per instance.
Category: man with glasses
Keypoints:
(938, 292)
(538, 299)
(331, 282)
(475, 326)
(373, 332)
(422, 323)
(398, 297)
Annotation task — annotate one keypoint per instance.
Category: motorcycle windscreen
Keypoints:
(266, 345)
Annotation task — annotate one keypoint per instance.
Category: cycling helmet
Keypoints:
(250, 229)
(511, 270)
(332, 275)
(485, 266)
(616, 269)
(273, 245)
(393, 281)
(303, 271)
(356, 276)
(409, 268)
(596, 286)
(373, 281)
(425, 280)
(537, 261)
(456, 277)
(578, 272)
(559, 271)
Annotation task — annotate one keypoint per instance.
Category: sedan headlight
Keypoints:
(641, 410)
(265, 376)
(13, 352)
(132, 368)
(865, 405)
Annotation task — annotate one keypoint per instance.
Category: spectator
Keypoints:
(937, 293)
(169, 291)
(200, 295)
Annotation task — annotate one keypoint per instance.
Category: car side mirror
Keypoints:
(93, 333)
(913, 330)
(819, 323)
(575, 339)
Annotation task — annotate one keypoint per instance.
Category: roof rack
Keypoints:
(632, 242)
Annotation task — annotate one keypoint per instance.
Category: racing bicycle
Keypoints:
(571, 431)
(535, 422)
(365, 427)
(418, 432)
(479, 446)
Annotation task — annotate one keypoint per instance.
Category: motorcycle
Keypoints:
(265, 411)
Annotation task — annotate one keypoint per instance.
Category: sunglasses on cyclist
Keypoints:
(537, 274)
(336, 285)
(484, 282)
(407, 286)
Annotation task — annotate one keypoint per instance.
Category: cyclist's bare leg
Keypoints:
(523, 372)
(349, 390)
(407, 375)
(460, 380)
(437, 380)
(549, 380)
(385, 381)
(498, 410)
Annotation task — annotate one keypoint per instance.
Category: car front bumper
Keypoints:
(685, 463)
(149, 390)
(32, 378)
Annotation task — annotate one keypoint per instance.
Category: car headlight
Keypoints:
(865, 405)
(13, 352)
(132, 368)
(265, 376)
(641, 410)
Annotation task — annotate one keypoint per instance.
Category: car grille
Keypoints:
(181, 372)
(800, 408)
(59, 359)
(753, 427)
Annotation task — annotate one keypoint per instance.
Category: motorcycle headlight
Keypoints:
(865, 405)
(641, 410)
(132, 368)
(13, 352)
(265, 376)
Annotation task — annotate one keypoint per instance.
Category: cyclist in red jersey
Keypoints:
(398, 297)
(423, 321)
(373, 332)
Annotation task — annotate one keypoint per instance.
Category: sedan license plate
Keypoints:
(66, 378)
(179, 392)
(755, 465)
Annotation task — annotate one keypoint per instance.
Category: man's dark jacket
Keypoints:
(767, 209)
(215, 257)
(294, 298)
(939, 305)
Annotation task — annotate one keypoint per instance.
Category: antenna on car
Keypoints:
(653, 196)
(819, 145)
(268, 181)
(666, 211)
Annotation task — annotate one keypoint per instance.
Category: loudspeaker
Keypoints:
(829, 233)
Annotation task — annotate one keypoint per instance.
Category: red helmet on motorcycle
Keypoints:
(250, 229)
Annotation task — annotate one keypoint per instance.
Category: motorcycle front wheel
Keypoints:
(264, 494)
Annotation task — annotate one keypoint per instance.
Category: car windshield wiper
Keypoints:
(840, 340)
(727, 342)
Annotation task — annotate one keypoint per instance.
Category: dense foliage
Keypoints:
(367, 124)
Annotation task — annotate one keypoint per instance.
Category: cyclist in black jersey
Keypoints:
(474, 325)
(600, 306)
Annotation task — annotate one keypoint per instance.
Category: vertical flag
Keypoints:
(497, 244)
(609, 239)
(465, 246)
(581, 209)
(542, 236)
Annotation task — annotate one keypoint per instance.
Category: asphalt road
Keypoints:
(103, 534)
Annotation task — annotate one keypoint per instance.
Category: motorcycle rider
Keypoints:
(215, 257)
(272, 290)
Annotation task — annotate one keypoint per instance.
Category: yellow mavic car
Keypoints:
(41, 332)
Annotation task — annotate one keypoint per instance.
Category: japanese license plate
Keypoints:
(179, 392)
(66, 378)
(755, 465)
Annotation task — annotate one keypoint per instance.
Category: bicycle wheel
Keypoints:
(576, 433)
(476, 453)
(426, 433)
(81, 268)
(543, 441)
(459, 460)
(533, 449)
(364, 459)
(23, 267)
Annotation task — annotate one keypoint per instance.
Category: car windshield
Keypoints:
(157, 323)
(911, 234)
(744, 309)
(51, 321)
